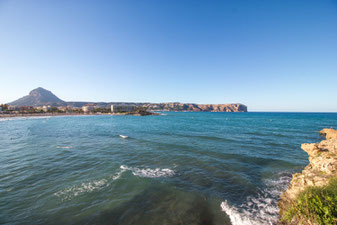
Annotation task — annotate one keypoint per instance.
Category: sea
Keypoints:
(203, 168)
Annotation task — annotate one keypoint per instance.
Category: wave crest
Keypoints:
(74, 191)
(261, 209)
(71, 192)
(95, 185)
(151, 173)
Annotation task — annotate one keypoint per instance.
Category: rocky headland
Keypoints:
(41, 97)
(321, 169)
(176, 106)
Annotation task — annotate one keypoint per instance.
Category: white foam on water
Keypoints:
(64, 147)
(119, 174)
(261, 209)
(95, 185)
(151, 173)
(71, 192)
(86, 187)
(24, 118)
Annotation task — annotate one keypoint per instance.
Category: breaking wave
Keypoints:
(261, 209)
(71, 192)
(95, 185)
(147, 172)
(64, 147)
(74, 191)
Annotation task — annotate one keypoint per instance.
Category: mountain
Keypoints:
(39, 97)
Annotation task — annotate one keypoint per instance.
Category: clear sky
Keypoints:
(272, 55)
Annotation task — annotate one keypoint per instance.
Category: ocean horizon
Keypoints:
(176, 168)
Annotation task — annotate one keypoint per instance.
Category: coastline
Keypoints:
(72, 114)
(294, 204)
(45, 114)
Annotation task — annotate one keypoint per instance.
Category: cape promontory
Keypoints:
(42, 97)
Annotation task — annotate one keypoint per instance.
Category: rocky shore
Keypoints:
(322, 167)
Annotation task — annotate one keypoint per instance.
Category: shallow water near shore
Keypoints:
(178, 168)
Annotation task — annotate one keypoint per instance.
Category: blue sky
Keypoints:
(270, 55)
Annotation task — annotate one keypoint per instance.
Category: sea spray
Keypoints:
(261, 209)
(95, 185)
(147, 172)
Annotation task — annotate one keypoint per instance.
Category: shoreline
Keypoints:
(70, 114)
(44, 114)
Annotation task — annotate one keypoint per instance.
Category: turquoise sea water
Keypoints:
(178, 168)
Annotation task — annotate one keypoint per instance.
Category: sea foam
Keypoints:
(261, 209)
(71, 192)
(24, 118)
(96, 185)
(147, 172)
(64, 147)
(86, 187)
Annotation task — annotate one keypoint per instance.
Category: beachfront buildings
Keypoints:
(123, 108)
(87, 108)
(46, 108)
(13, 108)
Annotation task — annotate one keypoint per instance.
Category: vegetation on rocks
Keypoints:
(315, 205)
(311, 197)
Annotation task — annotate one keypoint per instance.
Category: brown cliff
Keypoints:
(176, 106)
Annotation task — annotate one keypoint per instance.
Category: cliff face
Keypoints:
(176, 106)
(322, 167)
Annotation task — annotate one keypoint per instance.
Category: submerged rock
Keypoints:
(322, 167)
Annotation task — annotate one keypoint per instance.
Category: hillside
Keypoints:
(39, 97)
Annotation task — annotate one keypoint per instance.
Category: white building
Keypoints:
(45, 108)
(87, 108)
(123, 108)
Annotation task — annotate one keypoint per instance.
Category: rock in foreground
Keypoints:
(322, 167)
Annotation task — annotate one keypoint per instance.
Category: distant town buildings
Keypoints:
(88, 108)
(13, 108)
(45, 108)
(123, 108)
(62, 108)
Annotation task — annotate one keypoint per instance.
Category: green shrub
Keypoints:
(315, 204)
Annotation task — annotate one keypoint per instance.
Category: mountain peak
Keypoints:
(40, 91)
(39, 97)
